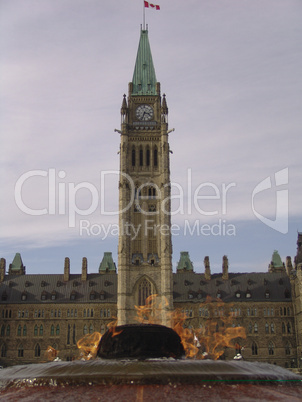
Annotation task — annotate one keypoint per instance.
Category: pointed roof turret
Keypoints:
(17, 267)
(184, 264)
(107, 264)
(144, 78)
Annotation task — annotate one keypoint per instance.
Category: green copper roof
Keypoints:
(144, 78)
(107, 263)
(185, 263)
(276, 259)
(17, 263)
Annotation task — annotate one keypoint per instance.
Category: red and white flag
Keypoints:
(155, 6)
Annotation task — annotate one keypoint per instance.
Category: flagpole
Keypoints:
(144, 15)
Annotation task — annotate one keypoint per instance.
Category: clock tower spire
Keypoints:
(145, 248)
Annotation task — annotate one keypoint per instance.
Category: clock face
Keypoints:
(144, 112)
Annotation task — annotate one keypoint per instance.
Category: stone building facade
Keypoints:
(37, 311)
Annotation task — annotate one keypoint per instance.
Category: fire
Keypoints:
(88, 345)
(150, 313)
(51, 354)
(209, 341)
(216, 334)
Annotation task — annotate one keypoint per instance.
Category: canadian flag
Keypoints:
(147, 5)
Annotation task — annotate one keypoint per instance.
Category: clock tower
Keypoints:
(145, 248)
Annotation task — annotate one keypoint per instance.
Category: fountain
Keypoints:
(146, 362)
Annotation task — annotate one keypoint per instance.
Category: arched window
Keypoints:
(288, 328)
(41, 330)
(250, 328)
(288, 348)
(272, 328)
(151, 192)
(3, 350)
(2, 330)
(144, 291)
(91, 329)
(271, 348)
(20, 350)
(133, 156)
(155, 157)
(266, 328)
(58, 330)
(256, 328)
(148, 156)
(37, 350)
(24, 330)
(254, 349)
(85, 330)
(52, 330)
(141, 157)
(283, 328)
(19, 330)
(8, 330)
(36, 330)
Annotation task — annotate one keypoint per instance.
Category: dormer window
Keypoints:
(267, 294)
(73, 295)
(43, 284)
(107, 283)
(191, 295)
(238, 294)
(53, 295)
(218, 294)
(27, 284)
(43, 296)
(248, 294)
(59, 283)
(24, 296)
(92, 295)
(102, 295)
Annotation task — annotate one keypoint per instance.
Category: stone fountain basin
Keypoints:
(149, 380)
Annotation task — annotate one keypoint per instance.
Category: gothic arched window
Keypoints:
(144, 291)
(254, 349)
(133, 156)
(155, 157)
(271, 348)
(37, 350)
(148, 156)
(20, 350)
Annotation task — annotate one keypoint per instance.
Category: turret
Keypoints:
(207, 269)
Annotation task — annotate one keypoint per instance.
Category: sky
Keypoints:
(231, 72)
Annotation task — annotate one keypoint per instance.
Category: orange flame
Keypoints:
(88, 345)
(211, 340)
(51, 354)
(217, 334)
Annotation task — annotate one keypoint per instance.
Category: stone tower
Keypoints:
(145, 249)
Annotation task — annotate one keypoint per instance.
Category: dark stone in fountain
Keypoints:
(140, 341)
